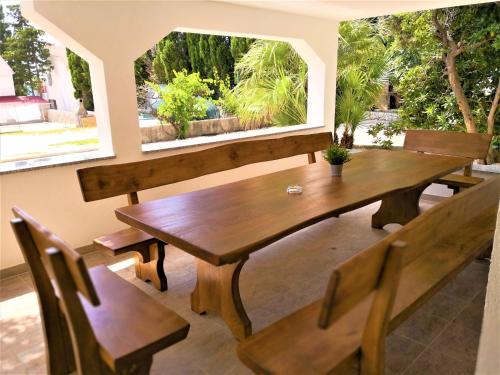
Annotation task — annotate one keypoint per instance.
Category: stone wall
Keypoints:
(198, 128)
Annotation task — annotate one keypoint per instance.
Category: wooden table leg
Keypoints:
(149, 265)
(217, 289)
(399, 208)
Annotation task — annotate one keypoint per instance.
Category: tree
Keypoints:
(240, 46)
(4, 30)
(80, 77)
(273, 85)
(447, 68)
(27, 54)
(362, 66)
(210, 55)
(449, 26)
(170, 54)
(184, 99)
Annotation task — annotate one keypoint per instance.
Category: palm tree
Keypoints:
(272, 85)
(362, 69)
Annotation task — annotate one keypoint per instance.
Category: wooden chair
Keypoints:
(92, 318)
(343, 332)
(127, 179)
(469, 145)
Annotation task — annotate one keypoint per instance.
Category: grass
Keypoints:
(44, 132)
(81, 142)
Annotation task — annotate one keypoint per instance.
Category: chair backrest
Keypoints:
(468, 145)
(117, 179)
(375, 271)
(49, 257)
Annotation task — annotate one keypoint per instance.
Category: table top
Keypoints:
(226, 223)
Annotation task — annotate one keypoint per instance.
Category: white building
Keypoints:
(58, 84)
(6, 79)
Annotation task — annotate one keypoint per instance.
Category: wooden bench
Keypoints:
(114, 326)
(129, 178)
(469, 145)
(341, 333)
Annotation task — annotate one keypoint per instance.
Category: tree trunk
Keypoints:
(493, 111)
(456, 86)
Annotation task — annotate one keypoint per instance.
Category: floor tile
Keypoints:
(457, 341)
(422, 327)
(400, 353)
(434, 363)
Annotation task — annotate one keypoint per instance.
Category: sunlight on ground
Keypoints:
(28, 142)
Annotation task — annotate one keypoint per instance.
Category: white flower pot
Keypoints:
(336, 169)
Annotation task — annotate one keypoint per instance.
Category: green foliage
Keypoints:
(384, 132)
(26, 52)
(272, 86)
(142, 68)
(336, 155)
(362, 66)
(210, 55)
(80, 78)
(184, 99)
(4, 30)
(170, 54)
(239, 47)
(420, 73)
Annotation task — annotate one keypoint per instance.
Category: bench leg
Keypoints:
(149, 265)
(399, 208)
(217, 289)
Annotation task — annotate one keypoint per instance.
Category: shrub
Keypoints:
(184, 99)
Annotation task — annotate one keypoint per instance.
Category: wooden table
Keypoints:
(223, 225)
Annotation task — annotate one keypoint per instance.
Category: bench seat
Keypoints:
(459, 181)
(296, 345)
(126, 334)
(130, 239)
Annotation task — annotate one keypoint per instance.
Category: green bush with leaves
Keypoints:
(272, 86)
(186, 98)
(362, 68)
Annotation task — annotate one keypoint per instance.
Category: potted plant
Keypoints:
(336, 156)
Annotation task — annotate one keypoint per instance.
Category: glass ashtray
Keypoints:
(294, 189)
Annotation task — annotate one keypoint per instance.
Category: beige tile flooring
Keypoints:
(441, 338)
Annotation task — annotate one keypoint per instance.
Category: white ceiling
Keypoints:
(348, 10)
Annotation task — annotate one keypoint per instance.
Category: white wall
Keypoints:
(60, 87)
(6, 81)
(113, 35)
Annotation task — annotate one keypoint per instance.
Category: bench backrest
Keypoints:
(49, 257)
(117, 179)
(443, 220)
(375, 271)
(468, 145)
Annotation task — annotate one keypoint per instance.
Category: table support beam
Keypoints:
(149, 265)
(217, 289)
(400, 207)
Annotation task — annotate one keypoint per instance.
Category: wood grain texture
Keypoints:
(468, 145)
(226, 223)
(217, 290)
(107, 318)
(117, 179)
(439, 244)
(399, 208)
(58, 350)
(44, 239)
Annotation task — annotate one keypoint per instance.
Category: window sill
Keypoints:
(220, 138)
(51, 161)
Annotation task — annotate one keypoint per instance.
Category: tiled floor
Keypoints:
(441, 338)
